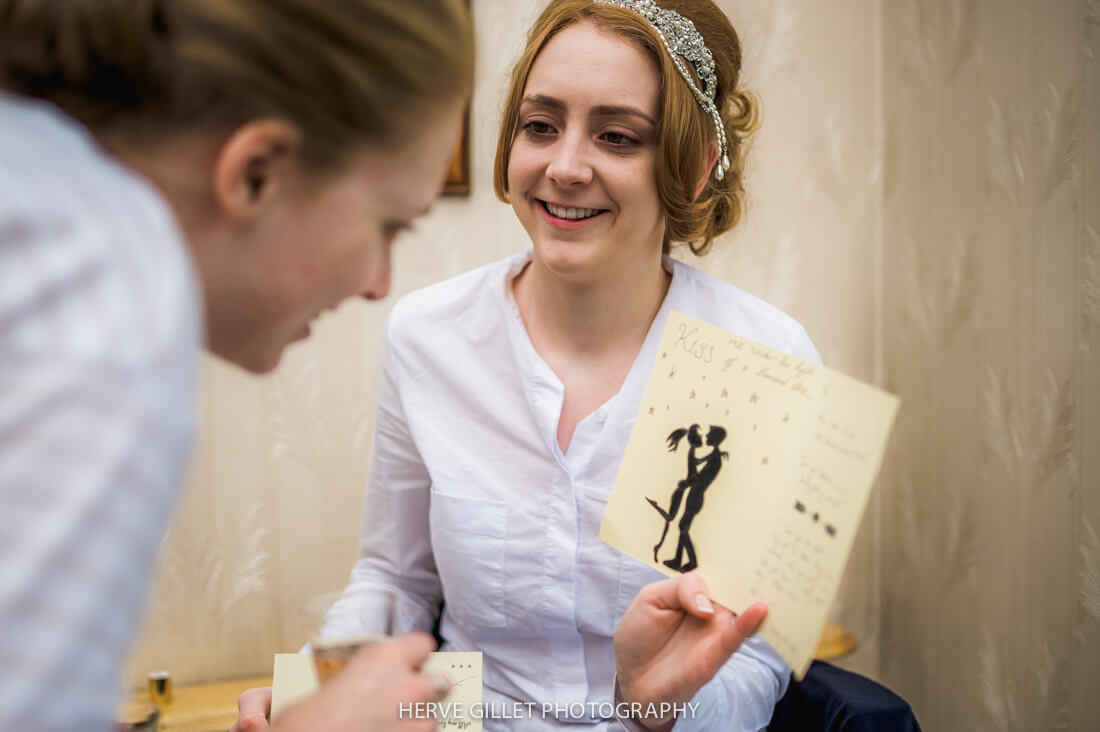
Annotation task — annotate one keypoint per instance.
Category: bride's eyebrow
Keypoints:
(541, 100)
(608, 110)
(602, 110)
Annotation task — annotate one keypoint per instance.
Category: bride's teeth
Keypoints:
(571, 213)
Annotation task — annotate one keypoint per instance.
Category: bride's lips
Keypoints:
(563, 223)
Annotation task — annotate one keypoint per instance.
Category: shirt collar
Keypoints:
(545, 390)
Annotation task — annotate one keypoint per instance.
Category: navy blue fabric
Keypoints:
(831, 699)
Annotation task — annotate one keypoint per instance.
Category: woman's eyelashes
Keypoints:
(615, 139)
(620, 140)
(538, 128)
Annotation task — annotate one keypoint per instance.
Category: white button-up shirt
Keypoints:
(99, 343)
(471, 500)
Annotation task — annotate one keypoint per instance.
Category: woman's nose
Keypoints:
(378, 276)
(569, 164)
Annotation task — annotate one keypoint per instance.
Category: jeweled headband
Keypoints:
(680, 38)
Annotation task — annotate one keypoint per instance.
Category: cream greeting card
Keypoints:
(753, 467)
(295, 678)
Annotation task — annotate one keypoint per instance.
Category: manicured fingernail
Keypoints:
(703, 603)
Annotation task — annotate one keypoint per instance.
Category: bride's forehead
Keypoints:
(589, 44)
(599, 66)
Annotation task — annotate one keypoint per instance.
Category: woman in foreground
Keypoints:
(173, 175)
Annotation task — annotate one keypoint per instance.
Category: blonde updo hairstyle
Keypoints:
(686, 133)
(346, 73)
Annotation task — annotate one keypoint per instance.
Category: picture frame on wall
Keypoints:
(457, 182)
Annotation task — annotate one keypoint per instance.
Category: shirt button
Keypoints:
(601, 415)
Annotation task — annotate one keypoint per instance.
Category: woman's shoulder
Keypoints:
(82, 225)
(440, 299)
(732, 308)
(462, 301)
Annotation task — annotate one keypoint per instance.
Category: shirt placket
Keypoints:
(566, 668)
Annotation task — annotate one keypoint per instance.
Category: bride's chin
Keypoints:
(567, 268)
(566, 256)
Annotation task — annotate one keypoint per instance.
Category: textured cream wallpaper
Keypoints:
(924, 199)
(991, 572)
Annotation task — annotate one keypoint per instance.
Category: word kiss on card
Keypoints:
(754, 467)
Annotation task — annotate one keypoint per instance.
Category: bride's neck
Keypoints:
(591, 317)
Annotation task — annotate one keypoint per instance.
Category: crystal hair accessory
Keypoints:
(680, 38)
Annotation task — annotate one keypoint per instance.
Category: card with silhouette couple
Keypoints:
(751, 466)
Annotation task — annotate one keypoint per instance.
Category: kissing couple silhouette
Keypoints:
(701, 472)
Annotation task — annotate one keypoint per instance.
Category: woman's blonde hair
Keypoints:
(686, 131)
(346, 73)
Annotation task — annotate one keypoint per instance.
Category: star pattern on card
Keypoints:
(764, 460)
(753, 399)
(651, 411)
(672, 373)
(725, 393)
(692, 394)
(664, 354)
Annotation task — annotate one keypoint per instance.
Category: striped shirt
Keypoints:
(99, 341)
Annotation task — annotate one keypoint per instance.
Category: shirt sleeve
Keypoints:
(741, 697)
(395, 537)
(743, 694)
(94, 438)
